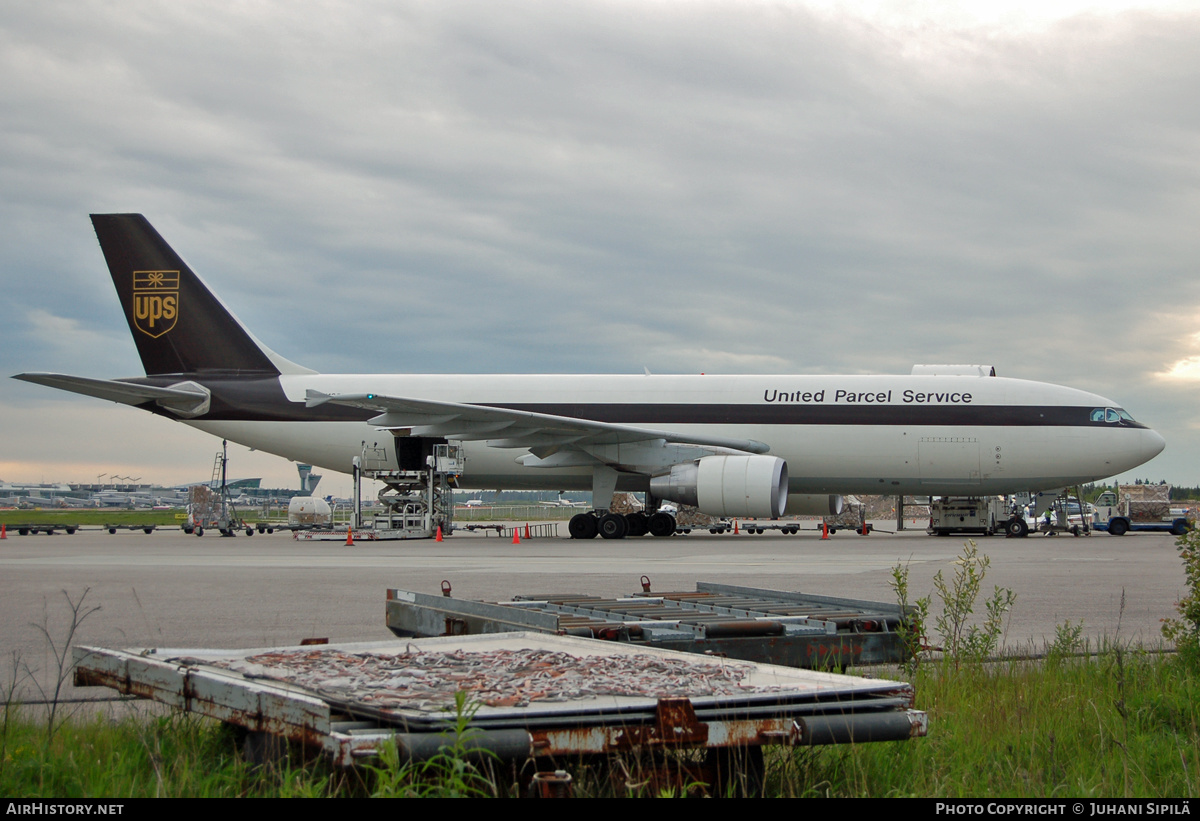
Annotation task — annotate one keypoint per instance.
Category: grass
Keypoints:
(90, 518)
(175, 756)
(1123, 724)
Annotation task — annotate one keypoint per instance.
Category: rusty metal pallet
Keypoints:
(769, 705)
(770, 626)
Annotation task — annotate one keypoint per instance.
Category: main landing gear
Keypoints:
(617, 526)
(611, 525)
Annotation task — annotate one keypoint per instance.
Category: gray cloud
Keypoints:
(600, 186)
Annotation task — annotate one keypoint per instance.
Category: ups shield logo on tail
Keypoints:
(155, 301)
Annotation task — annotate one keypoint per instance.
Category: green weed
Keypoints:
(912, 624)
(1068, 640)
(449, 773)
(960, 639)
(1184, 631)
(60, 650)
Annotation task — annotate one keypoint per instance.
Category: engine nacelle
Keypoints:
(747, 486)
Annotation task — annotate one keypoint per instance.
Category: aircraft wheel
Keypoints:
(613, 526)
(1118, 527)
(639, 523)
(662, 524)
(582, 526)
(1016, 529)
(199, 531)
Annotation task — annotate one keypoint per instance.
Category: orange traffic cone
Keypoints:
(824, 530)
(735, 527)
(439, 534)
(516, 535)
(527, 536)
(349, 537)
(3, 531)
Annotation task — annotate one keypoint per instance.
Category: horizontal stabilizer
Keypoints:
(513, 428)
(186, 401)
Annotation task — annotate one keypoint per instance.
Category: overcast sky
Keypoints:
(742, 187)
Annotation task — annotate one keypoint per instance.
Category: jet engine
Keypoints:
(747, 486)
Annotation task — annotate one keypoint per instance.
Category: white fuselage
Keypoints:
(942, 435)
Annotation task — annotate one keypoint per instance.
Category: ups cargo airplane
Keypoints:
(738, 446)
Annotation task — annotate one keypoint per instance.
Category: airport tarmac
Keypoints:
(167, 589)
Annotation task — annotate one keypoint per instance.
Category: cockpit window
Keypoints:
(1110, 415)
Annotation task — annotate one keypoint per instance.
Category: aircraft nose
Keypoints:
(1152, 444)
(1135, 447)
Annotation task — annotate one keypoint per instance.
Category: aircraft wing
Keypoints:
(506, 428)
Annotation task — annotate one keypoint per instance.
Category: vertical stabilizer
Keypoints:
(178, 324)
